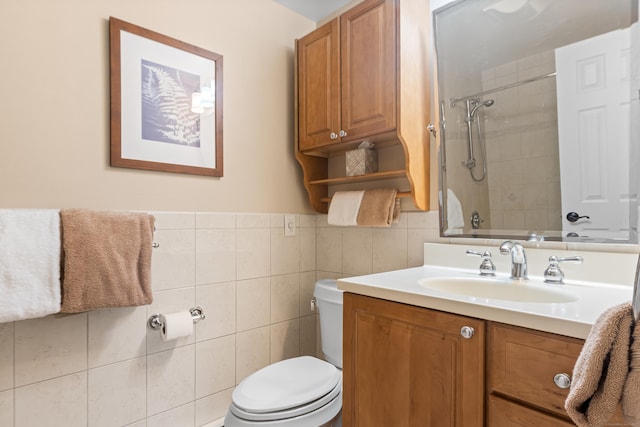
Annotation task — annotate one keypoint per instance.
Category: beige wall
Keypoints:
(55, 106)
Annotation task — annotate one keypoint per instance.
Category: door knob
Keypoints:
(574, 216)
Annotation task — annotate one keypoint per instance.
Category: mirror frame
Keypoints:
(525, 234)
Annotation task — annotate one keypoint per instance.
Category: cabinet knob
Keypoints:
(343, 134)
(562, 380)
(333, 135)
(466, 332)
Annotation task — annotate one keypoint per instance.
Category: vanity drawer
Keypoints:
(522, 364)
(503, 413)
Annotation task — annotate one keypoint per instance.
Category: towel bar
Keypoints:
(400, 195)
(155, 245)
(635, 302)
(155, 321)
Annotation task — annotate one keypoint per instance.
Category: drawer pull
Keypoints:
(466, 332)
(562, 380)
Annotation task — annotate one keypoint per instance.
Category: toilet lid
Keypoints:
(286, 384)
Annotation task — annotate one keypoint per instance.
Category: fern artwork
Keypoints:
(166, 105)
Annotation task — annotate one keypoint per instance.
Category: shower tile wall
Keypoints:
(522, 189)
(105, 368)
(522, 146)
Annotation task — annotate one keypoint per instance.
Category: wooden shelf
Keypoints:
(360, 178)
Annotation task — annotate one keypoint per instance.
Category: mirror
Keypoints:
(535, 105)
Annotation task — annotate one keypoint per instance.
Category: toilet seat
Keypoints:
(287, 389)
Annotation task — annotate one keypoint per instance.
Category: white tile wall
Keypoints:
(106, 368)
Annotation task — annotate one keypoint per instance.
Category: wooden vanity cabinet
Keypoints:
(406, 366)
(364, 76)
(410, 366)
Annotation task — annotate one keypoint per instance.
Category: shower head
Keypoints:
(487, 103)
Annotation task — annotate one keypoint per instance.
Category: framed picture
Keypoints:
(166, 103)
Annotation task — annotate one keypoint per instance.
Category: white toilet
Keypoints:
(303, 391)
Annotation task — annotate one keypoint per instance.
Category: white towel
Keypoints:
(455, 218)
(29, 263)
(344, 207)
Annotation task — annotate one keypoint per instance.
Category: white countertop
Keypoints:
(572, 319)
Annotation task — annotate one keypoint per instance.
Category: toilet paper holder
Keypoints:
(155, 321)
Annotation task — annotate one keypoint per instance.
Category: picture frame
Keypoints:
(166, 103)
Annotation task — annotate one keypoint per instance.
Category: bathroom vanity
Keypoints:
(418, 356)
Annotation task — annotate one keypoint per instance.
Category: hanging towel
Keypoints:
(106, 259)
(601, 369)
(378, 208)
(455, 218)
(344, 207)
(29, 263)
(631, 390)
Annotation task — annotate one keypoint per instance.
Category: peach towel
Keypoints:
(601, 369)
(378, 208)
(106, 259)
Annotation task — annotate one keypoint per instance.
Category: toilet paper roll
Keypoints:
(176, 325)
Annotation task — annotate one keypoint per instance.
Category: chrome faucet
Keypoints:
(518, 259)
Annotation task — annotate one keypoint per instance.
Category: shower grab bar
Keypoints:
(453, 101)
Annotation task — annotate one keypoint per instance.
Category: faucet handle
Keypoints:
(553, 273)
(487, 267)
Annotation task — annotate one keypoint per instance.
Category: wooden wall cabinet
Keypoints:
(364, 76)
(409, 366)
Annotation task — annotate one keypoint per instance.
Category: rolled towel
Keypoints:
(378, 208)
(29, 263)
(631, 390)
(601, 369)
(455, 218)
(344, 207)
(107, 259)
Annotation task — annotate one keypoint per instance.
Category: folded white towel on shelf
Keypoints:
(29, 263)
(455, 218)
(344, 207)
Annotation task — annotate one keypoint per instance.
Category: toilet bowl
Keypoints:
(299, 392)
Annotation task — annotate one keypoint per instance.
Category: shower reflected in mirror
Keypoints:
(537, 112)
(473, 105)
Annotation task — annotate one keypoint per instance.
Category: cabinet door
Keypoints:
(409, 366)
(368, 53)
(319, 86)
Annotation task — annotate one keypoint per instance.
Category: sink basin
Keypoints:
(498, 289)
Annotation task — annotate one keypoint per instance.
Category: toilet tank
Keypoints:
(329, 303)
